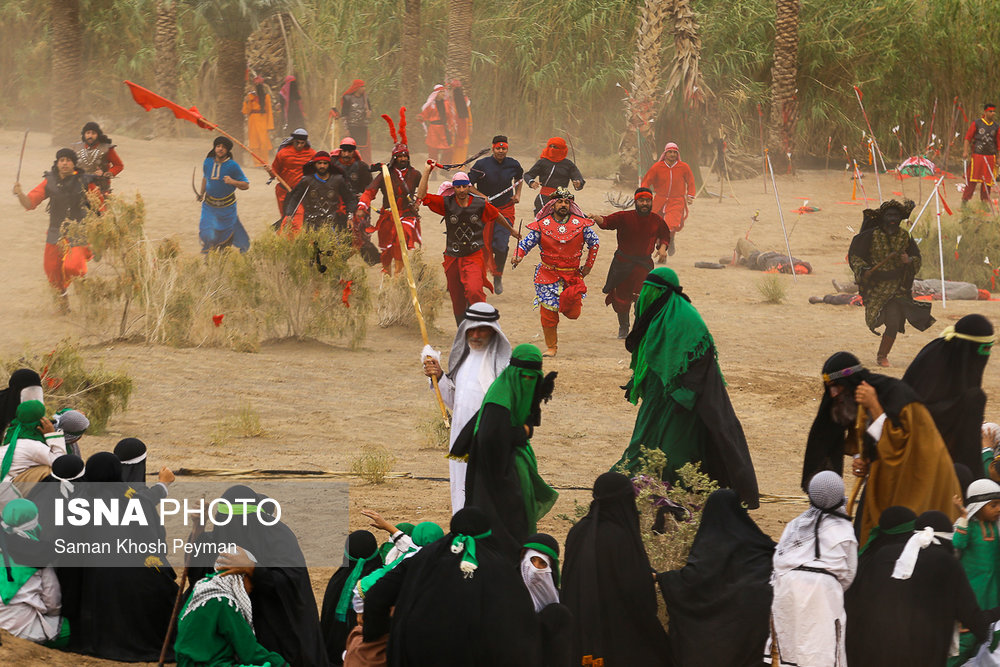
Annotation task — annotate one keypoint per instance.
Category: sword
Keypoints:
(197, 196)
(24, 143)
(519, 234)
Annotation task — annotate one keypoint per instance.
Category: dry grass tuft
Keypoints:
(373, 464)
(394, 302)
(69, 382)
(772, 288)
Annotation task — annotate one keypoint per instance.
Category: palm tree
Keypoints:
(688, 107)
(409, 63)
(459, 62)
(643, 93)
(233, 21)
(66, 71)
(784, 101)
(166, 65)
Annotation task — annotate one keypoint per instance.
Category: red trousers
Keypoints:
(467, 281)
(62, 268)
(387, 245)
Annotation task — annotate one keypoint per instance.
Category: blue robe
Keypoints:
(220, 226)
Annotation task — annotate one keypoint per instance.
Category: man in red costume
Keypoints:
(438, 115)
(463, 121)
(561, 229)
(96, 156)
(982, 140)
(672, 183)
(356, 111)
(468, 252)
(553, 170)
(639, 232)
(405, 181)
(66, 188)
(293, 154)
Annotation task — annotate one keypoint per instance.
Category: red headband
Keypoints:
(500, 144)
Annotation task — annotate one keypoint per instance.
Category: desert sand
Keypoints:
(321, 401)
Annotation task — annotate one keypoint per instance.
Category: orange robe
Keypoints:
(260, 122)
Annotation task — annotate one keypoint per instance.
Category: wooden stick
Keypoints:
(196, 531)
(404, 253)
(854, 496)
(24, 143)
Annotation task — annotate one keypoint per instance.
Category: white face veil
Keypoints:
(539, 582)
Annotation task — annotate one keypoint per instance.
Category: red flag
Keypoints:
(859, 93)
(217, 319)
(147, 99)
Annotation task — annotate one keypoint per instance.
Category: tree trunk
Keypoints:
(231, 64)
(166, 65)
(784, 100)
(409, 65)
(459, 63)
(642, 100)
(267, 55)
(66, 72)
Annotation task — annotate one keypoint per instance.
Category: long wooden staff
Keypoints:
(24, 143)
(854, 495)
(196, 531)
(404, 253)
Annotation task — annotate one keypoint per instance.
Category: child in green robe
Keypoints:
(976, 538)
(216, 625)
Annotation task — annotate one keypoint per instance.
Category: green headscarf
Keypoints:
(901, 529)
(676, 336)
(25, 425)
(422, 534)
(348, 589)
(514, 388)
(18, 516)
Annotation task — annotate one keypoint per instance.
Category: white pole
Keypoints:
(875, 157)
(922, 208)
(781, 216)
(937, 205)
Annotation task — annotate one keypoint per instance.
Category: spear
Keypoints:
(781, 216)
(829, 143)
(404, 253)
(878, 151)
(951, 132)
(763, 148)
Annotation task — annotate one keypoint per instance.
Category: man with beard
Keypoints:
(66, 188)
(355, 169)
(469, 223)
(220, 225)
(673, 182)
(323, 194)
(885, 260)
(96, 156)
(503, 479)
(356, 110)
(948, 376)
(292, 155)
(499, 178)
(881, 423)
(561, 230)
(478, 355)
(639, 232)
(981, 142)
(552, 171)
(405, 180)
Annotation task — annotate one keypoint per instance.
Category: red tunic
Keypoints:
(404, 184)
(671, 187)
(561, 247)
(288, 164)
(638, 235)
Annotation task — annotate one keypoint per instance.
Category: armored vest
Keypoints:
(321, 202)
(67, 201)
(355, 109)
(985, 140)
(90, 159)
(464, 226)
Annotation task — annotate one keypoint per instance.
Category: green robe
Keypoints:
(979, 552)
(216, 635)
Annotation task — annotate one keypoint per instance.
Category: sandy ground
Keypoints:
(319, 402)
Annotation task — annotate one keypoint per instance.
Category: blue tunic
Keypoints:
(220, 225)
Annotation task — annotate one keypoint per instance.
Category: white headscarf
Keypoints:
(539, 582)
(919, 541)
(496, 355)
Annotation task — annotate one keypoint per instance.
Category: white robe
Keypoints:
(464, 397)
(808, 607)
(33, 612)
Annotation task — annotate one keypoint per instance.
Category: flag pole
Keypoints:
(937, 205)
(404, 253)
